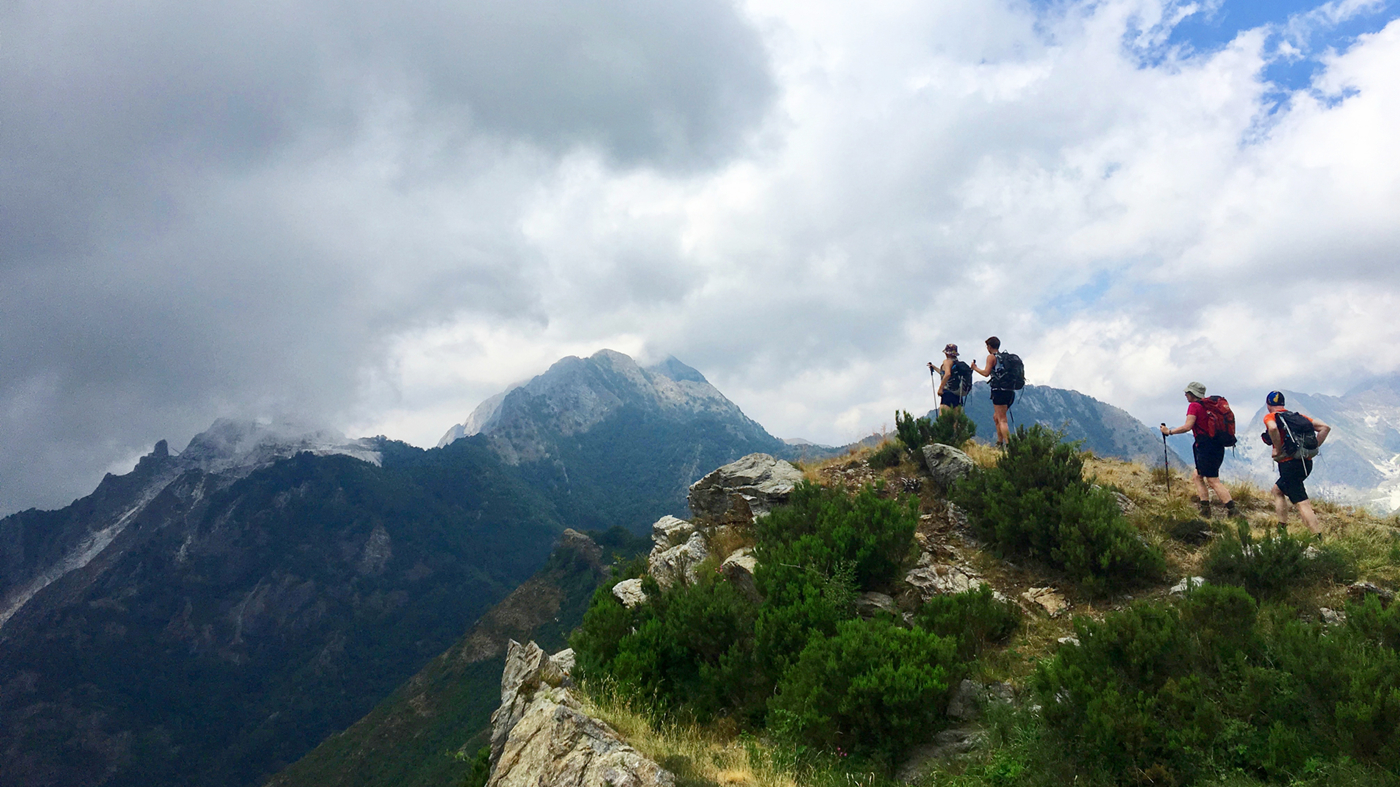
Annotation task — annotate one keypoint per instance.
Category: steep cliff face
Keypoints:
(604, 423)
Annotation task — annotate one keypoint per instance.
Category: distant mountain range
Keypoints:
(1106, 430)
(211, 616)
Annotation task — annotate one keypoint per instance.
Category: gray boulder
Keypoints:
(738, 568)
(868, 605)
(744, 489)
(970, 697)
(946, 465)
(679, 563)
(629, 592)
(668, 531)
(942, 579)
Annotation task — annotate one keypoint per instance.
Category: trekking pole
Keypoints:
(1166, 465)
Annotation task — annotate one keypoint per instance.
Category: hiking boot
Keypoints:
(1230, 510)
(1205, 508)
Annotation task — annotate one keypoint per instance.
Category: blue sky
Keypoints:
(1209, 30)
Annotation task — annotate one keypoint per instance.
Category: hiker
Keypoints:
(1295, 439)
(955, 380)
(1006, 377)
(1203, 421)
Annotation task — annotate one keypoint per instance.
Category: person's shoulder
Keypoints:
(1269, 418)
(1195, 407)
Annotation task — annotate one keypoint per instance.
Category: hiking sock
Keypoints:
(1205, 508)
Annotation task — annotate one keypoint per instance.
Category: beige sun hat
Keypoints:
(1197, 390)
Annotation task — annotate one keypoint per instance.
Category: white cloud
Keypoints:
(1125, 213)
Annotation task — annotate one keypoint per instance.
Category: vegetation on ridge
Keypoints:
(1238, 683)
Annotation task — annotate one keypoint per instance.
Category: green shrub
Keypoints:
(821, 530)
(687, 649)
(1171, 694)
(915, 433)
(974, 619)
(1036, 502)
(952, 427)
(887, 455)
(481, 769)
(873, 689)
(1268, 566)
(815, 555)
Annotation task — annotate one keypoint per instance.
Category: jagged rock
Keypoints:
(678, 564)
(747, 488)
(946, 465)
(629, 592)
(738, 568)
(941, 579)
(1332, 617)
(1046, 600)
(945, 744)
(540, 737)
(1069, 641)
(1312, 552)
(970, 697)
(668, 531)
(1187, 584)
(1360, 590)
(868, 605)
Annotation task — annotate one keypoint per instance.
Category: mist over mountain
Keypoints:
(610, 442)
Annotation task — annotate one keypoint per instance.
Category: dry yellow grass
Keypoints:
(693, 753)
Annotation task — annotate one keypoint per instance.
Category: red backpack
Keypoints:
(1219, 421)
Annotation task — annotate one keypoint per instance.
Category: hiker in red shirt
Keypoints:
(1208, 450)
(1294, 464)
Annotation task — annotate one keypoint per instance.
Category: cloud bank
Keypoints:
(379, 217)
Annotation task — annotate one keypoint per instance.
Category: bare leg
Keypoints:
(943, 408)
(1201, 493)
(1309, 517)
(1280, 504)
(1221, 493)
(1003, 431)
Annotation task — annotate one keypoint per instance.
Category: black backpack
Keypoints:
(1299, 435)
(1010, 374)
(959, 379)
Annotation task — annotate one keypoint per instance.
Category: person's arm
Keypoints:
(987, 371)
(943, 374)
(1322, 430)
(1275, 437)
(1184, 428)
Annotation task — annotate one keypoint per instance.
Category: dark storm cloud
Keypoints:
(212, 209)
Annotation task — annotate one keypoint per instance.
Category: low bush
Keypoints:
(914, 433)
(1194, 531)
(1167, 695)
(887, 455)
(974, 619)
(952, 427)
(1036, 502)
(1268, 566)
(873, 689)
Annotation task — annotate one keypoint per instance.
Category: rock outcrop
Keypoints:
(678, 564)
(946, 465)
(738, 569)
(541, 738)
(629, 592)
(743, 489)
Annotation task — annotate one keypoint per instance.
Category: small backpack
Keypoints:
(1219, 420)
(959, 379)
(1010, 374)
(1299, 434)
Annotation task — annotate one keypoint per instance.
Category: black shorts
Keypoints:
(950, 399)
(1208, 454)
(1000, 397)
(1290, 479)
